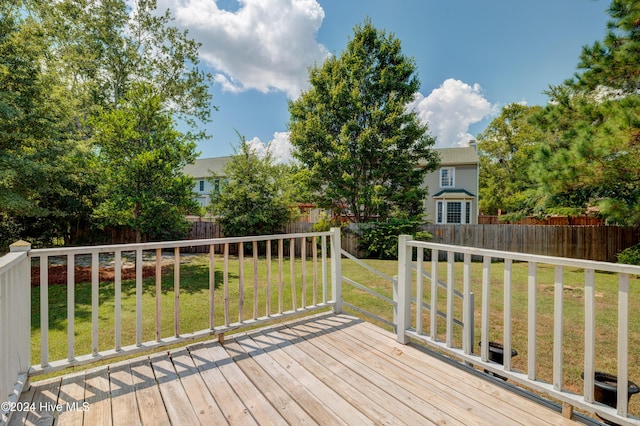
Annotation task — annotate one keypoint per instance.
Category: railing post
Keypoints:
(15, 325)
(402, 291)
(336, 269)
(23, 305)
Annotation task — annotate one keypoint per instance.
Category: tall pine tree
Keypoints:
(592, 152)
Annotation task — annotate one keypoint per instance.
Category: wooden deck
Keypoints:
(326, 369)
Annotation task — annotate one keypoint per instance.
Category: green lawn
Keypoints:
(194, 300)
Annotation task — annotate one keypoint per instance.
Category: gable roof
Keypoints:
(205, 167)
(460, 155)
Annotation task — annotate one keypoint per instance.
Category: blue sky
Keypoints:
(473, 57)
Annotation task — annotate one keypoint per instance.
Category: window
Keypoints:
(201, 186)
(453, 211)
(447, 177)
(467, 212)
(216, 186)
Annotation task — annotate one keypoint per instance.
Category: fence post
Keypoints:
(336, 269)
(402, 290)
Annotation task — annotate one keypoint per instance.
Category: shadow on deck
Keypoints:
(325, 369)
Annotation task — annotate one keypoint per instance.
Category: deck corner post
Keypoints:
(402, 290)
(21, 306)
(336, 269)
(20, 246)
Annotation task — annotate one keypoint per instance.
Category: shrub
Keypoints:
(380, 239)
(325, 223)
(630, 256)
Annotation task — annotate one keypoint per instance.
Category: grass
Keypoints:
(194, 300)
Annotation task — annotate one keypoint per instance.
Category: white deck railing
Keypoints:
(309, 273)
(410, 325)
(323, 260)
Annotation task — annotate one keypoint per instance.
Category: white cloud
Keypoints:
(279, 146)
(257, 146)
(266, 45)
(450, 109)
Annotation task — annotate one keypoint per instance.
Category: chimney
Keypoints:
(473, 144)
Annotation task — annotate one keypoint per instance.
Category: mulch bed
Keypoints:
(58, 274)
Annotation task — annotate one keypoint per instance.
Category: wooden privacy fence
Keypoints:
(208, 230)
(485, 219)
(601, 243)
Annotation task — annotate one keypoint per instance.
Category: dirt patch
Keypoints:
(576, 292)
(58, 274)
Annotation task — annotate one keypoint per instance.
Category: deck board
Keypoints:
(150, 404)
(173, 393)
(288, 408)
(70, 397)
(325, 369)
(303, 396)
(363, 379)
(204, 404)
(97, 398)
(234, 411)
(124, 406)
(491, 400)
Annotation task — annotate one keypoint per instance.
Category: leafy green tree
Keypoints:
(253, 200)
(68, 70)
(40, 147)
(367, 154)
(23, 104)
(141, 156)
(506, 147)
(110, 53)
(106, 46)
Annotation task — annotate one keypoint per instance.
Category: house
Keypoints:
(201, 171)
(453, 187)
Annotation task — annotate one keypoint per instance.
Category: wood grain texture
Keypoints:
(325, 369)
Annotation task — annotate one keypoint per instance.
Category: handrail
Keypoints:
(61, 251)
(529, 378)
(525, 257)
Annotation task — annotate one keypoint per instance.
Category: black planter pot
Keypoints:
(605, 388)
(496, 354)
